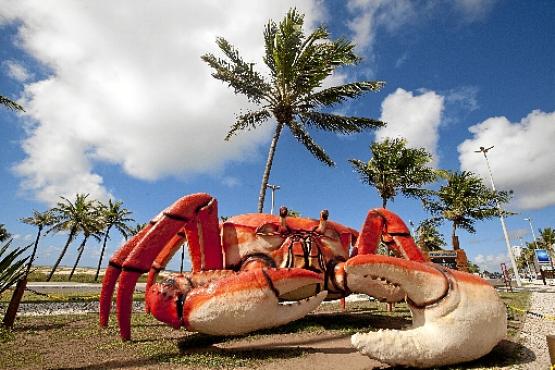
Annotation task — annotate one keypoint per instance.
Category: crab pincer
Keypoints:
(231, 303)
(457, 317)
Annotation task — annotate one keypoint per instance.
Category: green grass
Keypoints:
(38, 340)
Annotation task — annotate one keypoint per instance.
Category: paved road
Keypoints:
(63, 288)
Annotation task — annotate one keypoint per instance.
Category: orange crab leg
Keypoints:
(140, 252)
(385, 226)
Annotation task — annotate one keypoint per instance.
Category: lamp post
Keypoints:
(529, 219)
(484, 151)
(273, 188)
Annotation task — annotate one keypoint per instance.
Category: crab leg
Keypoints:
(385, 226)
(195, 212)
(457, 317)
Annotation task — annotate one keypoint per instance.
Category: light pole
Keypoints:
(484, 151)
(273, 188)
(529, 219)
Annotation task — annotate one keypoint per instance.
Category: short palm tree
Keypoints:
(135, 229)
(428, 238)
(114, 215)
(463, 200)
(11, 268)
(10, 104)
(547, 241)
(70, 216)
(394, 169)
(293, 94)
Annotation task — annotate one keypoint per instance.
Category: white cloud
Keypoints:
(231, 181)
(416, 118)
(474, 10)
(17, 71)
(369, 16)
(128, 88)
(464, 97)
(491, 262)
(522, 157)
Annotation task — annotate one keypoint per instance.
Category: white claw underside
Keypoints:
(456, 317)
(248, 311)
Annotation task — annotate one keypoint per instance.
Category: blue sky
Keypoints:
(119, 104)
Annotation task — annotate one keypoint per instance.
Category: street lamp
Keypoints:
(484, 151)
(273, 188)
(529, 219)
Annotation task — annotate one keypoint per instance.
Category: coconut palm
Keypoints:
(293, 93)
(91, 226)
(394, 169)
(70, 216)
(40, 220)
(463, 200)
(138, 227)
(428, 238)
(113, 215)
(10, 104)
(547, 239)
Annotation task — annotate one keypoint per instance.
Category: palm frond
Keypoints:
(10, 104)
(304, 138)
(11, 269)
(338, 123)
(249, 121)
(338, 94)
(237, 73)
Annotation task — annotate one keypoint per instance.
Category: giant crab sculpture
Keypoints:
(244, 268)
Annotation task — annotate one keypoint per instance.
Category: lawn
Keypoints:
(75, 341)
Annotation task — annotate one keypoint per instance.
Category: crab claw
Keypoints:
(249, 301)
(457, 317)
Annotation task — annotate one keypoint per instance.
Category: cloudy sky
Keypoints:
(119, 104)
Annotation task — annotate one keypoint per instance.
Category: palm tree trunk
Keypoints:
(102, 252)
(17, 296)
(64, 250)
(33, 254)
(80, 249)
(384, 202)
(268, 168)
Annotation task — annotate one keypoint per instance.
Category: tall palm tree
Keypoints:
(40, 220)
(91, 226)
(293, 94)
(113, 215)
(428, 238)
(395, 168)
(10, 104)
(547, 241)
(463, 200)
(70, 217)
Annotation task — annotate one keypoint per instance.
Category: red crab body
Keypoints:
(244, 268)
